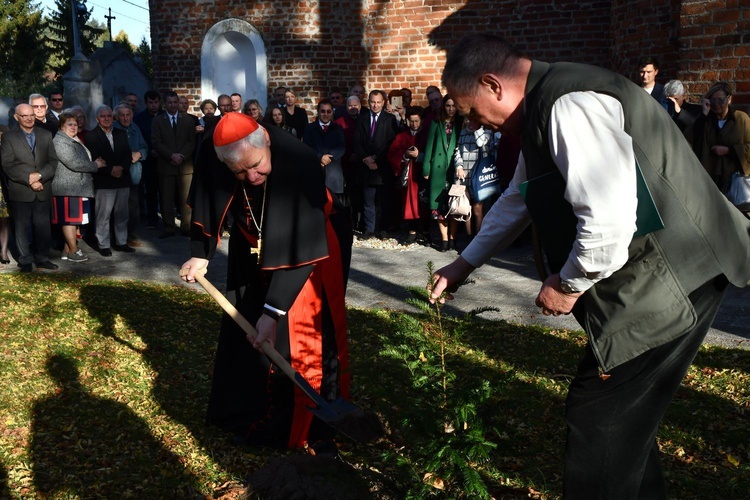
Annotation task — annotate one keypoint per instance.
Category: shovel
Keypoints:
(340, 414)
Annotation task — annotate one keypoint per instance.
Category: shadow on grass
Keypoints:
(92, 447)
(705, 429)
(180, 337)
(4, 490)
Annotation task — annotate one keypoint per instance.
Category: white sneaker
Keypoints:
(77, 256)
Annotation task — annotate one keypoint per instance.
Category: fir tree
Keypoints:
(23, 54)
(61, 41)
(122, 39)
(143, 52)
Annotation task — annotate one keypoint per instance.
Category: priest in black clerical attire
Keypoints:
(289, 255)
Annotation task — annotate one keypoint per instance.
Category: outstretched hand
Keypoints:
(447, 279)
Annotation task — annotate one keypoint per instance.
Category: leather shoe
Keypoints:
(47, 265)
(124, 248)
(134, 243)
(26, 268)
(105, 252)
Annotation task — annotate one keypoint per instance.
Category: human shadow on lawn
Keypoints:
(93, 447)
(180, 338)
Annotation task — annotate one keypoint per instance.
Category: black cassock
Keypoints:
(304, 264)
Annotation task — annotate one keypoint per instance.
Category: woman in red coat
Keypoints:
(408, 149)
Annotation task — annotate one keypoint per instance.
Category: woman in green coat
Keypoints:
(438, 167)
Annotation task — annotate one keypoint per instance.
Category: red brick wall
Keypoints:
(715, 45)
(392, 44)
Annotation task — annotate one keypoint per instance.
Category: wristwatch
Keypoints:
(567, 288)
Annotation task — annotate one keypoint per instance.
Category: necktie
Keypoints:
(31, 139)
(325, 128)
(374, 122)
(174, 122)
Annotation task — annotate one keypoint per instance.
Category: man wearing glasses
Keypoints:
(29, 162)
(327, 139)
(56, 105)
(225, 104)
(39, 105)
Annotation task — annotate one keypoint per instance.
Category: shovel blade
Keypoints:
(350, 420)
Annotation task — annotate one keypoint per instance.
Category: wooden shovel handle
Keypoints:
(268, 349)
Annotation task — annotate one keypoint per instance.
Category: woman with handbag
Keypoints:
(438, 167)
(405, 157)
(72, 185)
(475, 152)
(721, 139)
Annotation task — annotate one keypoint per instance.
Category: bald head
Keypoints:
(25, 117)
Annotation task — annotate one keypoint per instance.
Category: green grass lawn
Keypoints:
(104, 384)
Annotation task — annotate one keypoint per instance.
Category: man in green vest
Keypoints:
(639, 243)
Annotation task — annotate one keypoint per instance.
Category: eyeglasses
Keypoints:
(25, 116)
(39, 106)
(718, 100)
(56, 99)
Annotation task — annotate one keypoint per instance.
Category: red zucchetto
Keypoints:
(232, 127)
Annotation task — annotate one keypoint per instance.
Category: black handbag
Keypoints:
(403, 176)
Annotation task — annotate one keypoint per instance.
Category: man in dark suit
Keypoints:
(112, 183)
(327, 139)
(56, 105)
(150, 179)
(648, 68)
(39, 105)
(29, 162)
(373, 135)
(173, 138)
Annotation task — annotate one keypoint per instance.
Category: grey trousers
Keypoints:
(112, 204)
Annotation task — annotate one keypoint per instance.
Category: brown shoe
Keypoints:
(135, 243)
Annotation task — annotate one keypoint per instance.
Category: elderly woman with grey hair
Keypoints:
(682, 112)
(72, 185)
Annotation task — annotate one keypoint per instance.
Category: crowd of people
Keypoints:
(296, 193)
(388, 162)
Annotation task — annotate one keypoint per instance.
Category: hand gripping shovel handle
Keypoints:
(267, 348)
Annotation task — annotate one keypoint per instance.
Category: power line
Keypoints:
(121, 14)
(136, 5)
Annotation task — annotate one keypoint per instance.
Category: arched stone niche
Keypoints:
(233, 59)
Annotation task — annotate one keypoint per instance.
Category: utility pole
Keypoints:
(109, 23)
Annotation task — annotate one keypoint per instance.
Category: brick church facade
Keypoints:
(202, 48)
